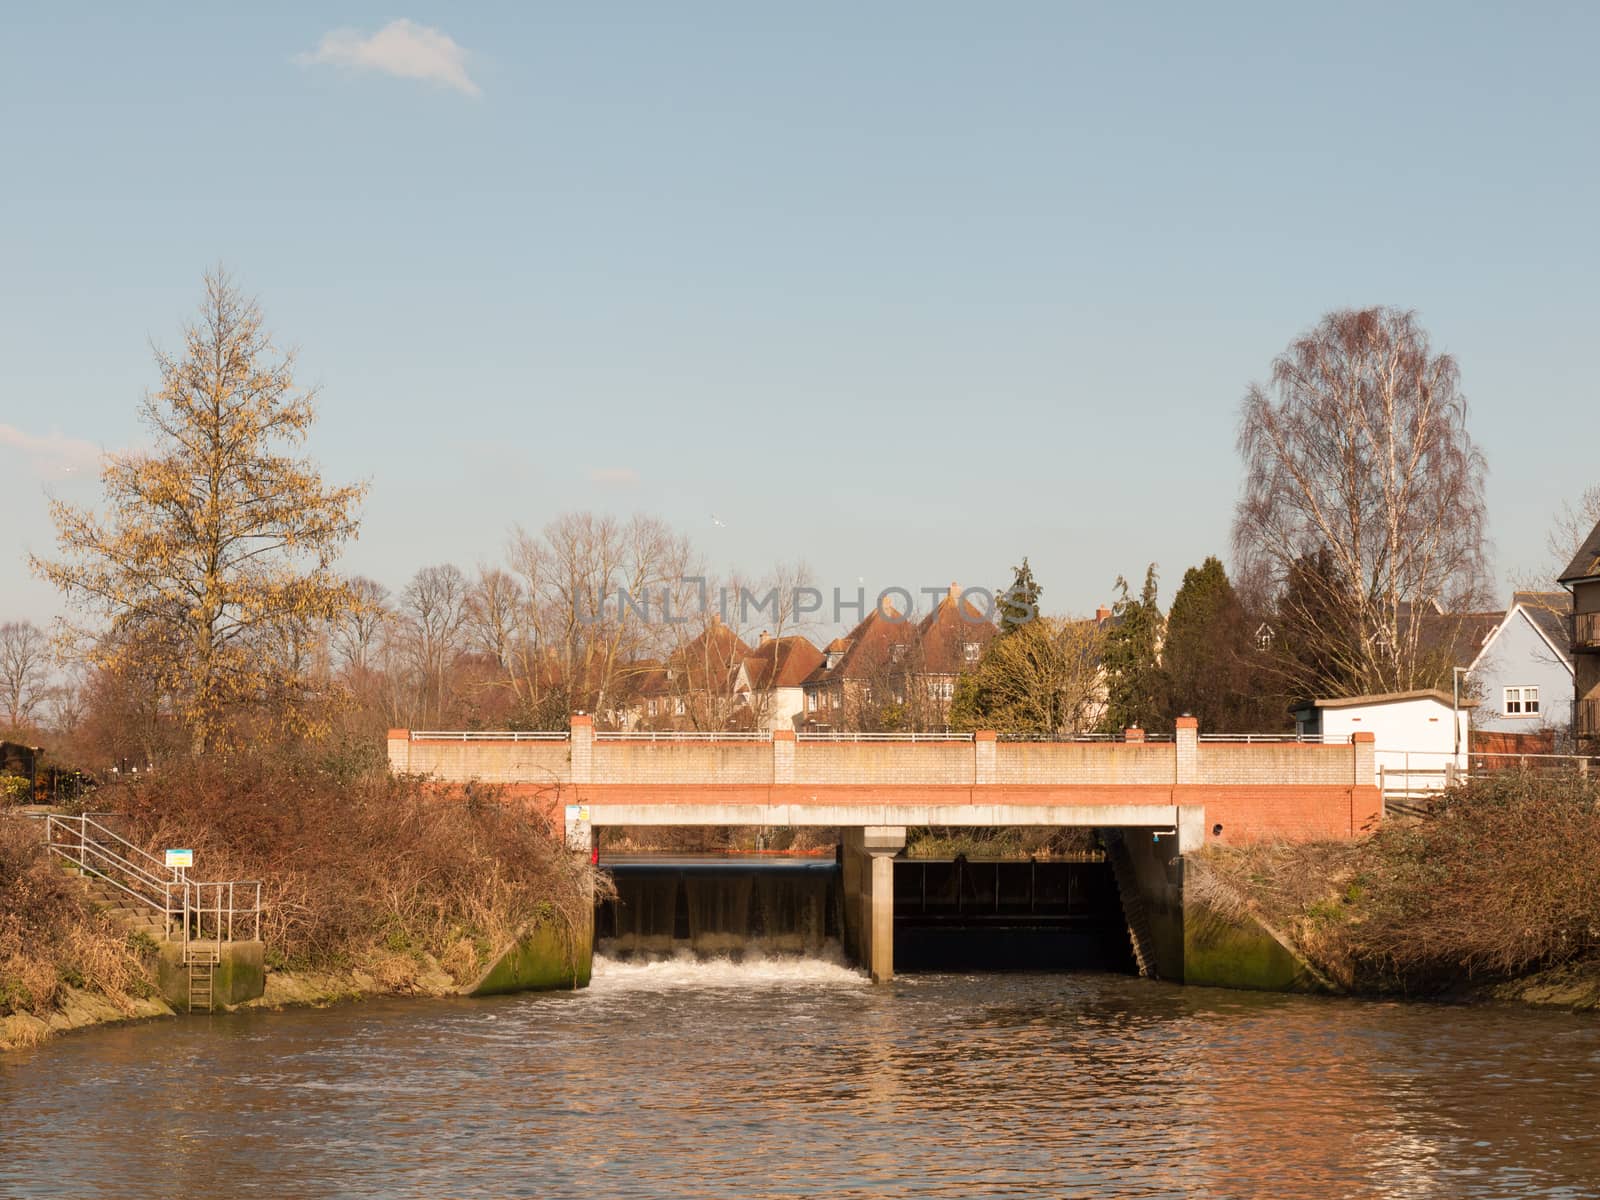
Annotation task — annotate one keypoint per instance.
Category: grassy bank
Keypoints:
(371, 884)
(1496, 891)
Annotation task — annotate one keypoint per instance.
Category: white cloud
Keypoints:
(626, 476)
(401, 48)
(53, 455)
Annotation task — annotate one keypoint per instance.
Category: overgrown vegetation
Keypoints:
(1501, 880)
(365, 870)
(50, 937)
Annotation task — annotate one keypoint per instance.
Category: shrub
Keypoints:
(358, 867)
(51, 937)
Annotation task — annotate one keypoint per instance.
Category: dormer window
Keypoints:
(1264, 636)
(833, 658)
(971, 652)
(897, 652)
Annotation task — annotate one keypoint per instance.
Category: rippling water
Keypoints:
(796, 1078)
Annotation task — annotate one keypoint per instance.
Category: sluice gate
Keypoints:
(949, 915)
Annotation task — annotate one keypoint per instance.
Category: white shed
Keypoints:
(1416, 735)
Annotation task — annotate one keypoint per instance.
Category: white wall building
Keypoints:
(1416, 735)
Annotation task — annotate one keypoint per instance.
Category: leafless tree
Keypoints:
(358, 632)
(433, 612)
(25, 660)
(1358, 449)
(600, 593)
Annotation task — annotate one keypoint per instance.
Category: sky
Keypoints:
(904, 290)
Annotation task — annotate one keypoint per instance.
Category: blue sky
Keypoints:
(905, 290)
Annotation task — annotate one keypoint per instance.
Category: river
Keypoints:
(795, 1078)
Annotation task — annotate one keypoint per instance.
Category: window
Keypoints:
(678, 705)
(897, 652)
(1522, 702)
(971, 651)
(1264, 636)
(652, 707)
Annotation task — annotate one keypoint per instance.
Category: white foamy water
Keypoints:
(751, 971)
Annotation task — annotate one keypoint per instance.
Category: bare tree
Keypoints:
(358, 632)
(602, 595)
(1359, 449)
(24, 671)
(433, 612)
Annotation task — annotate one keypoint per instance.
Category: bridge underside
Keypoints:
(846, 815)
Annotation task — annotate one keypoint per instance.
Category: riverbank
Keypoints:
(371, 885)
(1494, 894)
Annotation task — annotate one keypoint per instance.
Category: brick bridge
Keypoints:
(1179, 794)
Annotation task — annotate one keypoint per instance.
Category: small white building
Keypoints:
(1417, 736)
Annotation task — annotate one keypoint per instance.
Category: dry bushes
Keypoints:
(356, 872)
(51, 937)
(1501, 880)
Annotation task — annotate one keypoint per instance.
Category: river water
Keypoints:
(796, 1078)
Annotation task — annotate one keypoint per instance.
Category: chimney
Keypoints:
(765, 638)
(955, 590)
(1102, 615)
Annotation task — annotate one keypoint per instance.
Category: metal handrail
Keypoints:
(489, 735)
(883, 737)
(180, 898)
(1310, 739)
(684, 735)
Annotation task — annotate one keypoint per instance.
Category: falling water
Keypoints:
(717, 908)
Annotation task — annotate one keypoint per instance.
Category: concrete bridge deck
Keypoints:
(1251, 790)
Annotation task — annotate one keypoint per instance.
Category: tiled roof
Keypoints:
(1585, 563)
(867, 648)
(781, 662)
(945, 633)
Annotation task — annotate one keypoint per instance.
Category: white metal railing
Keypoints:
(684, 735)
(200, 910)
(1310, 739)
(489, 735)
(883, 737)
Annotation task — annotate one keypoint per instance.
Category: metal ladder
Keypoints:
(202, 962)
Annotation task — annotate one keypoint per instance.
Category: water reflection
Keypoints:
(795, 1078)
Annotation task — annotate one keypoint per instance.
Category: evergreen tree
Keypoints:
(1213, 667)
(1135, 688)
(1019, 603)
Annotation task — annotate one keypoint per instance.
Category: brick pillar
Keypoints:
(400, 751)
(1187, 736)
(783, 756)
(983, 752)
(1364, 771)
(582, 748)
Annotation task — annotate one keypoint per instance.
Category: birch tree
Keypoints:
(1358, 449)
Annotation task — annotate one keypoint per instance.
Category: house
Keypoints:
(718, 681)
(1522, 676)
(771, 680)
(1420, 738)
(895, 674)
(1582, 580)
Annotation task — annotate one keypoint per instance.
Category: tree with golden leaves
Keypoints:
(218, 539)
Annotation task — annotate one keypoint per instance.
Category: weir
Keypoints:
(1151, 802)
(947, 914)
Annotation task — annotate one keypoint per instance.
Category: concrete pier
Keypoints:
(869, 896)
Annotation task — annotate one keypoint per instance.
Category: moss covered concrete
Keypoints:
(545, 958)
(240, 974)
(1238, 952)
